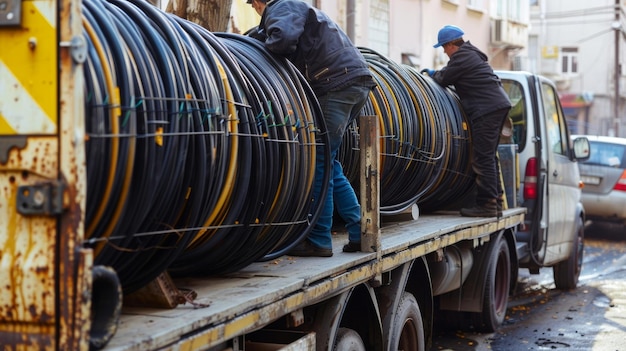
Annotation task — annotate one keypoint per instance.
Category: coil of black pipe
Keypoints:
(424, 140)
(200, 149)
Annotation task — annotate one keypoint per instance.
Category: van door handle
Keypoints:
(555, 173)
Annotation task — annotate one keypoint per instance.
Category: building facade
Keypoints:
(580, 45)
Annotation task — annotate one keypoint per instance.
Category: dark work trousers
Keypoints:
(485, 133)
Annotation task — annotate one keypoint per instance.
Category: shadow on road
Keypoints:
(605, 231)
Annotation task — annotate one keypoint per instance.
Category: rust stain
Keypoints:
(26, 337)
(27, 245)
(27, 252)
(38, 157)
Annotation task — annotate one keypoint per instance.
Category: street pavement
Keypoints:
(590, 318)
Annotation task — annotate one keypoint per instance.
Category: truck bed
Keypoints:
(242, 302)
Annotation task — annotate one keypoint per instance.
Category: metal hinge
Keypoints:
(78, 48)
(40, 199)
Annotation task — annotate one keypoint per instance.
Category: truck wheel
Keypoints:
(408, 328)
(566, 273)
(348, 340)
(106, 306)
(496, 289)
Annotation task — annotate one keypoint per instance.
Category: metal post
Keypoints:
(370, 184)
(369, 132)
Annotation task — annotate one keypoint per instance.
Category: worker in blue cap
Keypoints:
(487, 106)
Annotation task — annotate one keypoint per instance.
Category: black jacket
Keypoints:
(479, 88)
(314, 44)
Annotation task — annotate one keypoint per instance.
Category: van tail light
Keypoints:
(530, 179)
(621, 182)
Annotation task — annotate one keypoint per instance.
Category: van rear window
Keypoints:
(518, 113)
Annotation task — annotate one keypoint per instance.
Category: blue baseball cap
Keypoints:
(447, 34)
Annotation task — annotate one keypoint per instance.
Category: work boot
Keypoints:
(487, 209)
(307, 249)
(352, 246)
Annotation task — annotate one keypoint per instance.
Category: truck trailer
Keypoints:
(154, 176)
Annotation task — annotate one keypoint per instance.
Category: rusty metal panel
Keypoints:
(28, 106)
(27, 247)
(45, 272)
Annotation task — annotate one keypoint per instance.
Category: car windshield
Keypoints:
(605, 154)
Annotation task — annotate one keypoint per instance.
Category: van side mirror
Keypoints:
(582, 150)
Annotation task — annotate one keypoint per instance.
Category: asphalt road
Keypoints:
(590, 318)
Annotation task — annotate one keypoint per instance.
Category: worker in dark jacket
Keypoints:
(341, 80)
(487, 106)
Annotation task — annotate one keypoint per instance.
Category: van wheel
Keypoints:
(495, 289)
(348, 340)
(566, 273)
(408, 328)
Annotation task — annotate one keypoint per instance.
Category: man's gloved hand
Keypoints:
(429, 71)
(256, 34)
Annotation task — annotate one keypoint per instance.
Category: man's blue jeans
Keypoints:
(339, 109)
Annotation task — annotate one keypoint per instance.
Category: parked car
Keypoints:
(604, 176)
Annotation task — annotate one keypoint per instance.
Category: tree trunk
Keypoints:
(210, 14)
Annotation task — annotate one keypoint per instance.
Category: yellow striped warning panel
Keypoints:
(28, 72)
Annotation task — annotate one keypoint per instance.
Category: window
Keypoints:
(411, 60)
(606, 154)
(555, 121)
(518, 10)
(569, 60)
(497, 8)
(517, 114)
(475, 4)
(510, 10)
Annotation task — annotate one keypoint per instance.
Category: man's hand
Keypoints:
(256, 34)
(429, 71)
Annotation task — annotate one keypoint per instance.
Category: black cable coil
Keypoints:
(201, 146)
(201, 149)
(424, 149)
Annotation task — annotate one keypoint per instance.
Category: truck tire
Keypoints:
(408, 327)
(348, 340)
(106, 306)
(495, 289)
(566, 273)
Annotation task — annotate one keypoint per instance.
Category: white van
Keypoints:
(553, 231)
